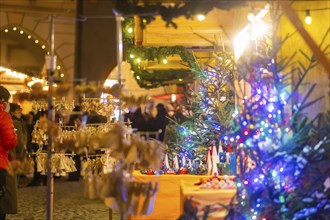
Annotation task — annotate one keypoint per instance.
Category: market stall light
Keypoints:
(36, 41)
(29, 36)
(131, 56)
(62, 75)
(35, 80)
(21, 32)
(43, 46)
(13, 73)
(6, 30)
(251, 17)
(108, 83)
(130, 30)
(173, 97)
(308, 17)
(200, 17)
(252, 31)
(165, 61)
(14, 28)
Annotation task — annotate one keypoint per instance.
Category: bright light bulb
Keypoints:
(251, 17)
(43, 46)
(6, 30)
(308, 18)
(138, 60)
(131, 56)
(130, 30)
(21, 32)
(62, 75)
(29, 36)
(200, 17)
(165, 61)
(14, 28)
(36, 41)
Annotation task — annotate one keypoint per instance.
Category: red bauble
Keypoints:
(183, 170)
(150, 172)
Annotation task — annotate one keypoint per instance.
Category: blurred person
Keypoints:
(21, 149)
(138, 120)
(162, 119)
(8, 141)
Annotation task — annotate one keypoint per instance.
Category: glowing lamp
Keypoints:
(200, 17)
(308, 17)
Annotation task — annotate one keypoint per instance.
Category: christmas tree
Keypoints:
(209, 108)
(283, 170)
(282, 154)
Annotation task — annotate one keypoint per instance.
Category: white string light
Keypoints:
(308, 18)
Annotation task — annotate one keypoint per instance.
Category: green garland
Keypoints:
(155, 78)
(188, 8)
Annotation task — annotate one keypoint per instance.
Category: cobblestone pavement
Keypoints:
(69, 203)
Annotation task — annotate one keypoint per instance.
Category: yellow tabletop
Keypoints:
(168, 200)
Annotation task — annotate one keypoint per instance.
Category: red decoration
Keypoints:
(183, 170)
(228, 149)
(150, 172)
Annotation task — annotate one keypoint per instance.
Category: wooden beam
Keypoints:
(293, 17)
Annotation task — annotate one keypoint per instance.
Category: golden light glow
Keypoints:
(200, 17)
(21, 32)
(173, 98)
(251, 17)
(13, 73)
(131, 56)
(43, 46)
(35, 80)
(14, 28)
(62, 75)
(138, 60)
(29, 36)
(130, 30)
(252, 31)
(6, 30)
(165, 61)
(36, 41)
(108, 83)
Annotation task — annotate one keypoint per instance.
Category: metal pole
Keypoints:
(50, 179)
(119, 38)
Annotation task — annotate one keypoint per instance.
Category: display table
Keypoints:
(203, 197)
(168, 200)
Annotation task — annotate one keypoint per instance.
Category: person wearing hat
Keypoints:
(21, 150)
(8, 141)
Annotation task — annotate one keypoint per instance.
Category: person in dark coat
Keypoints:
(20, 128)
(139, 121)
(161, 120)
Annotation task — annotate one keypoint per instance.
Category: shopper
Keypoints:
(162, 119)
(8, 141)
(20, 128)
